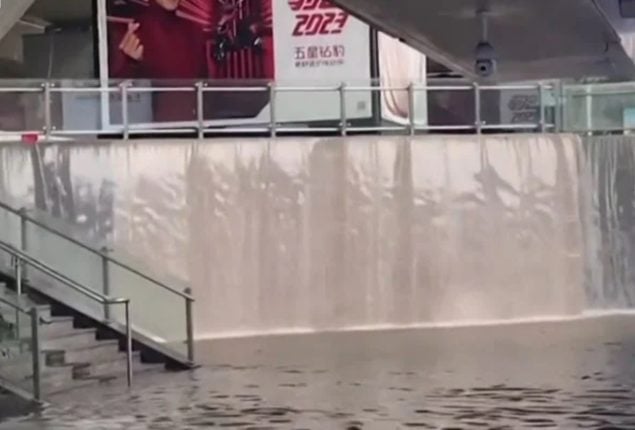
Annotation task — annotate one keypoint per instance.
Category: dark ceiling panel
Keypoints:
(533, 39)
(62, 11)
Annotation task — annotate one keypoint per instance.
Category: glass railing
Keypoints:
(599, 108)
(62, 109)
(21, 361)
(20, 357)
(105, 273)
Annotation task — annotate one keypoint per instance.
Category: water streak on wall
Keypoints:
(331, 233)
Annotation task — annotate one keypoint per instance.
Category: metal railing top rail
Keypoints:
(24, 213)
(273, 123)
(142, 86)
(48, 270)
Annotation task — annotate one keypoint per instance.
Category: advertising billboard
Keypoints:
(174, 43)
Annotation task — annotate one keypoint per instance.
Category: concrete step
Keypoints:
(11, 347)
(57, 379)
(22, 367)
(58, 326)
(115, 368)
(53, 327)
(110, 379)
(119, 373)
(12, 296)
(105, 366)
(72, 339)
(75, 384)
(9, 314)
(88, 353)
(54, 376)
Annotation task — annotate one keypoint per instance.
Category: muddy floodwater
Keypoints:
(573, 374)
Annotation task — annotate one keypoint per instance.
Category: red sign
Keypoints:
(317, 17)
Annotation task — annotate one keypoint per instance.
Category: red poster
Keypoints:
(176, 42)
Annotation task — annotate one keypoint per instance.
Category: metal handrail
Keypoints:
(93, 295)
(23, 214)
(23, 258)
(34, 315)
(203, 127)
(23, 310)
(106, 260)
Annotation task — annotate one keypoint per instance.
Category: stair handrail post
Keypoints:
(24, 240)
(128, 343)
(17, 268)
(189, 321)
(36, 353)
(105, 280)
(17, 261)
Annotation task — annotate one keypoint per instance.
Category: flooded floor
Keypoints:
(576, 374)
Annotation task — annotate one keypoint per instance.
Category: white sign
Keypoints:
(318, 44)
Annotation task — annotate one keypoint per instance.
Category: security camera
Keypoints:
(484, 55)
(485, 65)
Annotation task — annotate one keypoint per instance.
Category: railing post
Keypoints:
(560, 108)
(128, 344)
(478, 123)
(18, 276)
(36, 353)
(125, 120)
(200, 117)
(343, 116)
(541, 106)
(18, 289)
(589, 109)
(412, 108)
(105, 277)
(189, 321)
(48, 123)
(273, 130)
(24, 241)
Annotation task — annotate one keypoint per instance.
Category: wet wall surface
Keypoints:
(314, 234)
(607, 194)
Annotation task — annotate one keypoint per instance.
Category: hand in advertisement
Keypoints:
(130, 44)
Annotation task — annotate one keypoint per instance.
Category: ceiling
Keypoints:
(62, 11)
(533, 39)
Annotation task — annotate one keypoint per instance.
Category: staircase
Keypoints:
(73, 316)
(74, 352)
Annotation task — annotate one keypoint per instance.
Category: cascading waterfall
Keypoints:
(311, 234)
(608, 171)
